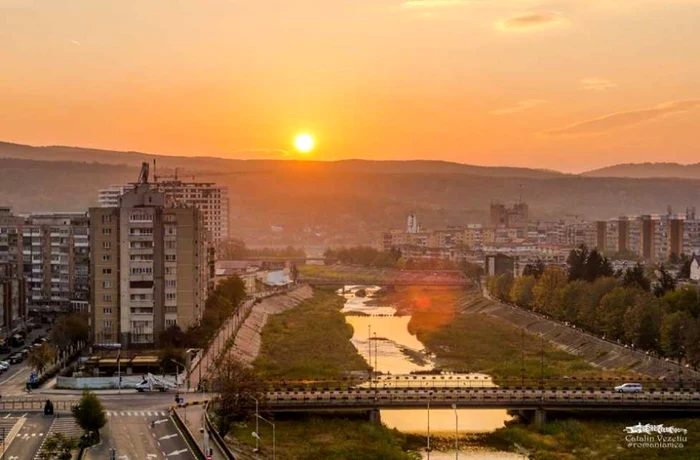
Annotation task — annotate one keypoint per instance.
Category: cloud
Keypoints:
(521, 106)
(596, 84)
(623, 119)
(530, 21)
(75, 42)
(428, 4)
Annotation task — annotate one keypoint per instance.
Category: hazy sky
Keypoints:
(569, 84)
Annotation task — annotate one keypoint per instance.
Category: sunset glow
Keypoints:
(304, 143)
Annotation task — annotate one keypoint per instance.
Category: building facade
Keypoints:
(151, 267)
(209, 198)
(13, 300)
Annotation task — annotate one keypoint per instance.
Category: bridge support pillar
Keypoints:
(375, 417)
(540, 417)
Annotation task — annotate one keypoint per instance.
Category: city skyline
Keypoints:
(569, 85)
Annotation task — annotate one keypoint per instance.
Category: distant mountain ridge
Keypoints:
(647, 171)
(215, 164)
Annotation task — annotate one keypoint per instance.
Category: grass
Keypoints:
(323, 438)
(594, 439)
(310, 341)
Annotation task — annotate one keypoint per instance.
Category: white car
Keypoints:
(629, 388)
(5, 363)
(4, 367)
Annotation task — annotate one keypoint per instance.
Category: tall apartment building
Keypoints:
(150, 265)
(13, 301)
(516, 216)
(51, 251)
(209, 198)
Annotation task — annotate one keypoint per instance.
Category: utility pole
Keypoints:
(541, 359)
(369, 346)
(522, 357)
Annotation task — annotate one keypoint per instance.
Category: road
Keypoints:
(13, 382)
(26, 444)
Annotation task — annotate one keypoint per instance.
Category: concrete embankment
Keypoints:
(247, 344)
(595, 350)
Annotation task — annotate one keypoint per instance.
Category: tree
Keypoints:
(588, 312)
(577, 262)
(89, 413)
(571, 300)
(635, 276)
(612, 311)
(500, 286)
(673, 334)
(169, 354)
(642, 322)
(692, 343)
(684, 299)
(685, 263)
(536, 270)
(521, 292)
(59, 447)
(232, 289)
(236, 385)
(172, 337)
(42, 356)
(70, 329)
(665, 282)
(547, 289)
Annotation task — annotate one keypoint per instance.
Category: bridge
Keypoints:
(532, 401)
(447, 278)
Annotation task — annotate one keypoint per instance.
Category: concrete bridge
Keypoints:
(447, 278)
(535, 402)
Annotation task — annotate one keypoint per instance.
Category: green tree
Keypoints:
(502, 286)
(232, 289)
(236, 385)
(642, 322)
(535, 269)
(89, 413)
(588, 312)
(521, 292)
(665, 282)
(572, 297)
(612, 311)
(70, 329)
(692, 343)
(682, 299)
(674, 333)
(42, 356)
(546, 290)
(58, 447)
(635, 276)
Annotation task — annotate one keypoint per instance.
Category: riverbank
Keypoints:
(309, 341)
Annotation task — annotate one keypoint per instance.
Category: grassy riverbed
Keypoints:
(310, 341)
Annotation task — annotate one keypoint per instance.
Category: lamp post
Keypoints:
(454, 406)
(257, 434)
(257, 426)
(430, 396)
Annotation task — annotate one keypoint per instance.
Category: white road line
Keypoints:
(176, 452)
(168, 436)
(157, 422)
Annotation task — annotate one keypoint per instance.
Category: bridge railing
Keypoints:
(35, 404)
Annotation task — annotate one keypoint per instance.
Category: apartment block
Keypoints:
(51, 251)
(151, 265)
(13, 301)
(209, 198)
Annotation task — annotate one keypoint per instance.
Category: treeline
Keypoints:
(233, 249)
(625, 306)
(223, 303)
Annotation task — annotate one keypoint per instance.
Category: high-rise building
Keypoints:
(209, 198)
(513, 217)
(13, 301)
(150, 264)
(675, 236)
(51, 251)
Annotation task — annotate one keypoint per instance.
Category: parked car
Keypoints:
(629, 388)
(5, 363)
(3, 367)
(16, 358)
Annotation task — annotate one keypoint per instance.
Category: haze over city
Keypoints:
(566, 85)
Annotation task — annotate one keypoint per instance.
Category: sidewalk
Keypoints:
(193, 418)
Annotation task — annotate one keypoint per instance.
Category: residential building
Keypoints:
(51, 251)
(151, 266)
(13, 300)
(209, 198)
(510, 217)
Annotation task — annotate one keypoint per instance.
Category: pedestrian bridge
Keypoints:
(447, 278)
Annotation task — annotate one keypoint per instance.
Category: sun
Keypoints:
(304, 143)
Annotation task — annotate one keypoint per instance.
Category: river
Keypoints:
(383, 337)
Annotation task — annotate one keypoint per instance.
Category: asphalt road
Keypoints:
(13, 382)
(26, 444)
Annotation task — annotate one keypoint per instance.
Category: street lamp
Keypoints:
(257, 426)
(454, 406)
(430, 396)
(256, 434)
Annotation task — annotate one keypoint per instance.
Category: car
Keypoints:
(3, 367)
(16, 358)
(629, 388)
(5, 363)
(25, 351)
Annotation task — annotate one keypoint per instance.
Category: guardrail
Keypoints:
(187, 435)
(214, 434)
(28, 404)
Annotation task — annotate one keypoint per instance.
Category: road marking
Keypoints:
(151, 456)
(157, 422)
(168, 436)
(129, 414)
(177, 452)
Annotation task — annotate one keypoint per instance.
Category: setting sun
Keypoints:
(304, 143)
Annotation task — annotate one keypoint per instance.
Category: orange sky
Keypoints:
(568, 85)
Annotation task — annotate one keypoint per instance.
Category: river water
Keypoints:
(382, 336)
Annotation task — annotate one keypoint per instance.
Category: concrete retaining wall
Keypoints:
(100, 383)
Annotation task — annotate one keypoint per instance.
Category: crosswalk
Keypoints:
(136, 414)
(6, 425)
(67, 426)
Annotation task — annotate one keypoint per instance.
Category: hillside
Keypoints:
(211, 165)
(647, 170)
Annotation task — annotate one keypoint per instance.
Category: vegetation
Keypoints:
(90, 414)
(237, 387)
(70, 330)
(58, 447)
(42, 356)
(628, 308)
(322, 438)
(233, 249)
(310, 341)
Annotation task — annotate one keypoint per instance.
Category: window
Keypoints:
(107, 297)
(170, 270)
(106, 219)
(107, 311)
(170, 322)
(106, 284)
(142, 270)
(170, 283)
(140, 217)
(170, 257)
(106, 271)
(106, 257)
(170, 309)
(106, 231)
(106, 245)
(170, 245)
(107, 324)
(171, 296)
